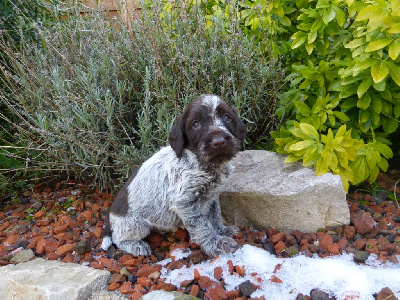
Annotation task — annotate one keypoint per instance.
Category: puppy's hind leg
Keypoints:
(128, 232)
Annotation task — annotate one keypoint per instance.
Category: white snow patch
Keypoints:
(340, 276)
(180, 253)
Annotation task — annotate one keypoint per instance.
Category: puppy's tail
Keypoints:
(107, 240)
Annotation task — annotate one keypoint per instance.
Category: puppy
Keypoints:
(179, 185)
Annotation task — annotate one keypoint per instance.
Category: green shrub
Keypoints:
(342, 57)
(95, 98)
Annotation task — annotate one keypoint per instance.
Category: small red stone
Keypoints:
(349, 232)
(372, 246)
(68, 258)
(342, 244)
(166, 286)
(53, 256)
(230, 266)
(147, 270)
(126, 288)
(234, 294)
(12, 239)
(134, 262)
(360, 244)
(218, 273)
(181, 234)
(135, 296)
(240, 270)
(106, 261)
(281, 236)
(96, 265)
(40, 214)
(85, 216)
(194, 291)
(113, 286)
(277, 268)
(98, 232)
(116, 278)
(206, 283)
(363, 222)
(216, 293)
(156, 239)
(334, 249)
(146, 282)
(196, 275)
(175, 265)
(51, 245)
(125, 257)
(280, 247)
(40, 246)
(64, 249)
(275, 279)
(325, 240)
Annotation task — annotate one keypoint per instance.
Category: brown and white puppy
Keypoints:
(179, 185)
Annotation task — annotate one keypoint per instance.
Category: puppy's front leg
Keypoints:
(214, 215)
(201, 229)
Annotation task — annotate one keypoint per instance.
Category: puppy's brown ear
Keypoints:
(177, 136)
(241, 128)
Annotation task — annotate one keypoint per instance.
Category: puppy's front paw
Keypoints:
(226, 244)
(219, 244)
(230, 230)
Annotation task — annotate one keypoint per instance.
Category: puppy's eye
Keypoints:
(196, 124)
(227, 118)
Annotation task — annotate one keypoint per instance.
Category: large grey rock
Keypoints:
(50, 280)
(265, 192)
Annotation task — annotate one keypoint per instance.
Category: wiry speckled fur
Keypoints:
(178, 187)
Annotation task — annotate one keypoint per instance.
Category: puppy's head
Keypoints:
(210, 128)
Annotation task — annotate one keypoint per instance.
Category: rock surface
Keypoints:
(43, 279)
(265, 192)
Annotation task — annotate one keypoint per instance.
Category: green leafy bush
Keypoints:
(95, 98)
(342, 57)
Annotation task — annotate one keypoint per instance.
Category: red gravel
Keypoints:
(54, 222)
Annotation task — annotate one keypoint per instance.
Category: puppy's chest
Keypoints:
(210, 188)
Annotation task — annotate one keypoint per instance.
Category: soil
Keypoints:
(65, 222)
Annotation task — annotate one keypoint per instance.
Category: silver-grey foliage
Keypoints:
(95, 98)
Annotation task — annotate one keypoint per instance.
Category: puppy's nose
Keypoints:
(218, 142)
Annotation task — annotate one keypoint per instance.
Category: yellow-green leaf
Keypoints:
(373, 174)
(383, 164)
(378, 44)
(303, 108)
(363, 87)
(384, 150)
(309, 131)
(346, 176)
(299, 41)
(341, 116)
(301, 145)
(394, 49)
(355, 43)
(364, 101)
(377, 104)
(329, 15)
(321, 166)
(394, 29)
(379, 71)
(394, 71)
(291, 158)
(358, 168)
(372, 11)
